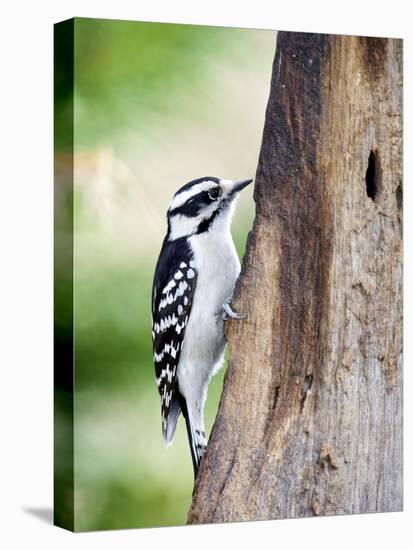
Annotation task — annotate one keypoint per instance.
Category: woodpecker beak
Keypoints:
(238, 185)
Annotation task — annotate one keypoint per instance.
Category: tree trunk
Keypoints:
(310, 419)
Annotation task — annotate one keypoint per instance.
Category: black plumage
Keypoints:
(172, 296)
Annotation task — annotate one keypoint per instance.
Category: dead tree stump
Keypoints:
(310, 419)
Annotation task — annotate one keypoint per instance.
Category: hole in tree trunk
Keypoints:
(371, 176)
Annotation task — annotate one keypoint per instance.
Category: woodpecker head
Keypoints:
(202, 205)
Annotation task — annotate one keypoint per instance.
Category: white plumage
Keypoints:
(204, 344)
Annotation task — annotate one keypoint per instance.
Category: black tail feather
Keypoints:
(195, 455)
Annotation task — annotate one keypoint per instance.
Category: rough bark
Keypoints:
(310, 419)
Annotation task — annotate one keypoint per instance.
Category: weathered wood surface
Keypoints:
(310, 419)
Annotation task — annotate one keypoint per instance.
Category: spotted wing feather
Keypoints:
(172, 297)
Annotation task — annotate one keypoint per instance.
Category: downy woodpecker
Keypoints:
(192, 288)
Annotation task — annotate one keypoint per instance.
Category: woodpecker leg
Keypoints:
(228, 313)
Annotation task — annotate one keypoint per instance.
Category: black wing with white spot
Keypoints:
(172, 296)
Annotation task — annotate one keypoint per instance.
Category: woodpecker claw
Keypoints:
(228, 313)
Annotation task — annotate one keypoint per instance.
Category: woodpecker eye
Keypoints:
(214, 193)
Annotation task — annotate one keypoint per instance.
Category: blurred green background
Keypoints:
(155, 106)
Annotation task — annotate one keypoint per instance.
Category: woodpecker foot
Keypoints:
(228, 313)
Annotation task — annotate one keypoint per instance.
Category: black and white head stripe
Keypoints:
(191, 190)
(199, 203)
(173, 290)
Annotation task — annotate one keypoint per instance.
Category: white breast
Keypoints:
(218, 267)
